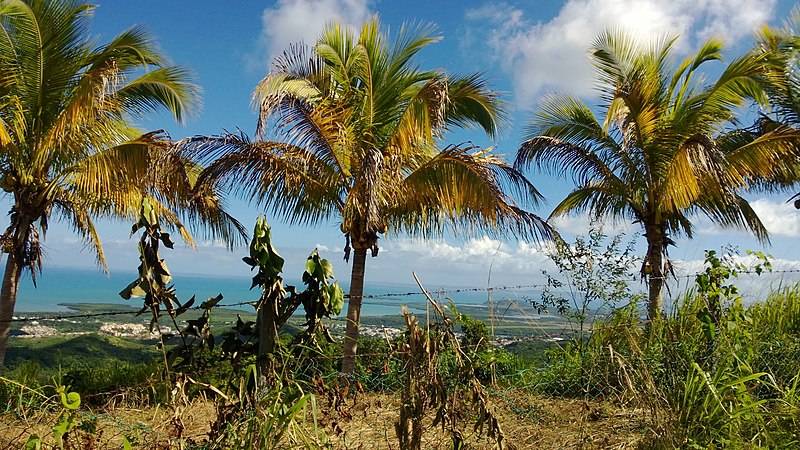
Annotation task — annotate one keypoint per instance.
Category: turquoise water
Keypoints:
(58, 285)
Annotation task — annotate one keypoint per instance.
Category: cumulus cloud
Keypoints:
(212, 243)
(293, 21)
(476, 255)
(779, 217)
(752, 287)
(779, 265)
(551, 56)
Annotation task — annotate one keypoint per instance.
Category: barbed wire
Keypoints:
(386, 295)
(383, 296)
(449, 291)
(738, 272)
(133, 312)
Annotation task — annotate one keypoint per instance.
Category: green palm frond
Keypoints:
(81, 222)
(68, 143)
(167, 88)
(665, 149)
(465, 191)
(471, 103)
(778, 49)
(290, 181)
(352, 129)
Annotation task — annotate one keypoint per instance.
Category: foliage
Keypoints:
(593, 277)
(667, 147)
(352, 130)
(779, 48)
(476, 334)
(281, 416)
(488, 361)
(741, 392)
(97, 368)
(321, 298)
(426, 387)
(154, 283)
(67, 420)
(714, 286)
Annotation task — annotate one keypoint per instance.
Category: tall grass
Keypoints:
(731, 385)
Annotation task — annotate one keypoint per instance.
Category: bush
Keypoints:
(378, 368)
(743, 393)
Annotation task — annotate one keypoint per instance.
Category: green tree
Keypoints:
(592, 279)
(359, 130)
(322, 297)
(780, 48)
(666, 149)
(67, 144)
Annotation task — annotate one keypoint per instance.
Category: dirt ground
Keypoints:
(527, 421)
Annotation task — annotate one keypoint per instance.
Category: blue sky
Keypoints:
(526, 50)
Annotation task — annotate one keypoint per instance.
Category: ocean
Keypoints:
(59, 286)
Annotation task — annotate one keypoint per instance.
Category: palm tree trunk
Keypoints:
(268, 326)
(8, 299)
(354, 311)
(267, 336)
(656, 278)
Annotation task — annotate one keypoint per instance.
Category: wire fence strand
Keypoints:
(382, 296)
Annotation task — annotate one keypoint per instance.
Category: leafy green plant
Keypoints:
(475, 333)
(154, 283)
(593, 276)
(321, 298)
(714, 285)
(67, 420)
(282, 415)
(592, 280)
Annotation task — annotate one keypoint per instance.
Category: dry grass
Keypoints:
(529, 422)
(148, 428)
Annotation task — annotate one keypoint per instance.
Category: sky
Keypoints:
(526, 49)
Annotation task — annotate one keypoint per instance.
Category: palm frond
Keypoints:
(169, 88)
(467, 190)
(288, 180)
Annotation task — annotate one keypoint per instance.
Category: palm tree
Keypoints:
(359, 130)
(67, 145)
(780, 48)
(664, 150)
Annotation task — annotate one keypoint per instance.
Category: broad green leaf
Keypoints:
(336, 298)
(327, 268)
(34, 442)
(311, 266)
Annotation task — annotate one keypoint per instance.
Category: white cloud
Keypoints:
(551, 56)
(293, 21)
(780, 218)
(475, 255)
(752, 287)
(212, 243)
